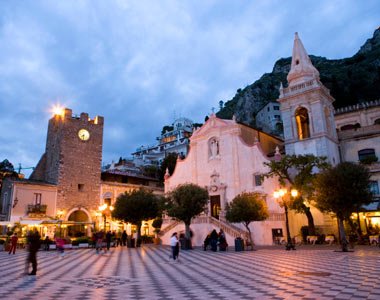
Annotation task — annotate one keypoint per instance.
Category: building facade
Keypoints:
(228, 158)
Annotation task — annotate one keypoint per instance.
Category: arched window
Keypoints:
(302, 120)
(377, 122)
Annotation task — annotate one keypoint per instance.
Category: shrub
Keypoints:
(82, 240)
(147, 239)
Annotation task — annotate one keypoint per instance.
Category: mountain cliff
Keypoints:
(350, 81)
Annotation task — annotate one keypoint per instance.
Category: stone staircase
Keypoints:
(227, 227)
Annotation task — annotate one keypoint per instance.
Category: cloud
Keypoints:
(139, 63)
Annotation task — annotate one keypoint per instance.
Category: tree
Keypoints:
(136, 206)
(169, 162)
(185, 202)
(342, 190)
(6, 170)
(246, 208)
(299, 171)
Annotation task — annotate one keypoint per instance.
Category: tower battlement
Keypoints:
(67, 114)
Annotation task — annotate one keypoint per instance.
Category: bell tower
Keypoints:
(307, 110)
(72, 161)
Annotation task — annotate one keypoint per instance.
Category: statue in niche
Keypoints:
(214, 148)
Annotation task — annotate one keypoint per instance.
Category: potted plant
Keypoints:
(83, 242)
(157, 223)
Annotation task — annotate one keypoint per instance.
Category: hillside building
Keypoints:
(174, 140)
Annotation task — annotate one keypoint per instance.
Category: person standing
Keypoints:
(174, 243)
(108, 240)
(124, 237)
(14, 240)
(33, 240)
(214, 240)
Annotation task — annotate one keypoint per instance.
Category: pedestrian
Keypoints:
(222, 241)
(60, 242)
(124, 237)
(108, 240)
(33, 240)
(174, 243)
(14, 240)
(214, 240)
(99, 241)
(47, 243)
(206, 242)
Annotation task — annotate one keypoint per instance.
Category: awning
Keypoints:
(30, 222)
(5, 223)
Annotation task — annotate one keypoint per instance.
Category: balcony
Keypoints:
(37, 209)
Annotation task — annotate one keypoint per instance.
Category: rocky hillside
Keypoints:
(350, 80)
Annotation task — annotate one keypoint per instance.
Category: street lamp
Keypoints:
(279, 196)
(103, 208)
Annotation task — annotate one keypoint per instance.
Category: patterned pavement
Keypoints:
(310, 272)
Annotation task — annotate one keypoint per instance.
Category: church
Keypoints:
(227, 157)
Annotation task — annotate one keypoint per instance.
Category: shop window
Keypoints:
(302, 120)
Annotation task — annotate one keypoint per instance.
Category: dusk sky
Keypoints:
(140, 64)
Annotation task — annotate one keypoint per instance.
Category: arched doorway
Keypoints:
(78, 230)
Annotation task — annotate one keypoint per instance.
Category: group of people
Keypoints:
(102, 239)
(214, 239)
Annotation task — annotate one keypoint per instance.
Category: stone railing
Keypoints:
(301, 87)
(170, 225)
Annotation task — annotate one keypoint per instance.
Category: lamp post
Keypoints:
(103, 209)
(279, 196)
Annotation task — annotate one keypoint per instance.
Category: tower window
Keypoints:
(302, 120)
(80, 187)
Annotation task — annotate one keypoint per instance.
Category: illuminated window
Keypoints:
(302, 120)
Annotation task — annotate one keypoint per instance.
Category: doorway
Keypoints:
(215, 206)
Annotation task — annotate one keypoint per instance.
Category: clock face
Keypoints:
(83, 134)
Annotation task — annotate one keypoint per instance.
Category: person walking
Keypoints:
(99, 241)
(33, 240)
(174, 243)
(14, 240)
(60, 242)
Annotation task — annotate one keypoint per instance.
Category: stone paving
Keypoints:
(316, 272)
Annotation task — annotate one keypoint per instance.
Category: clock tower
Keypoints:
(72, 161)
